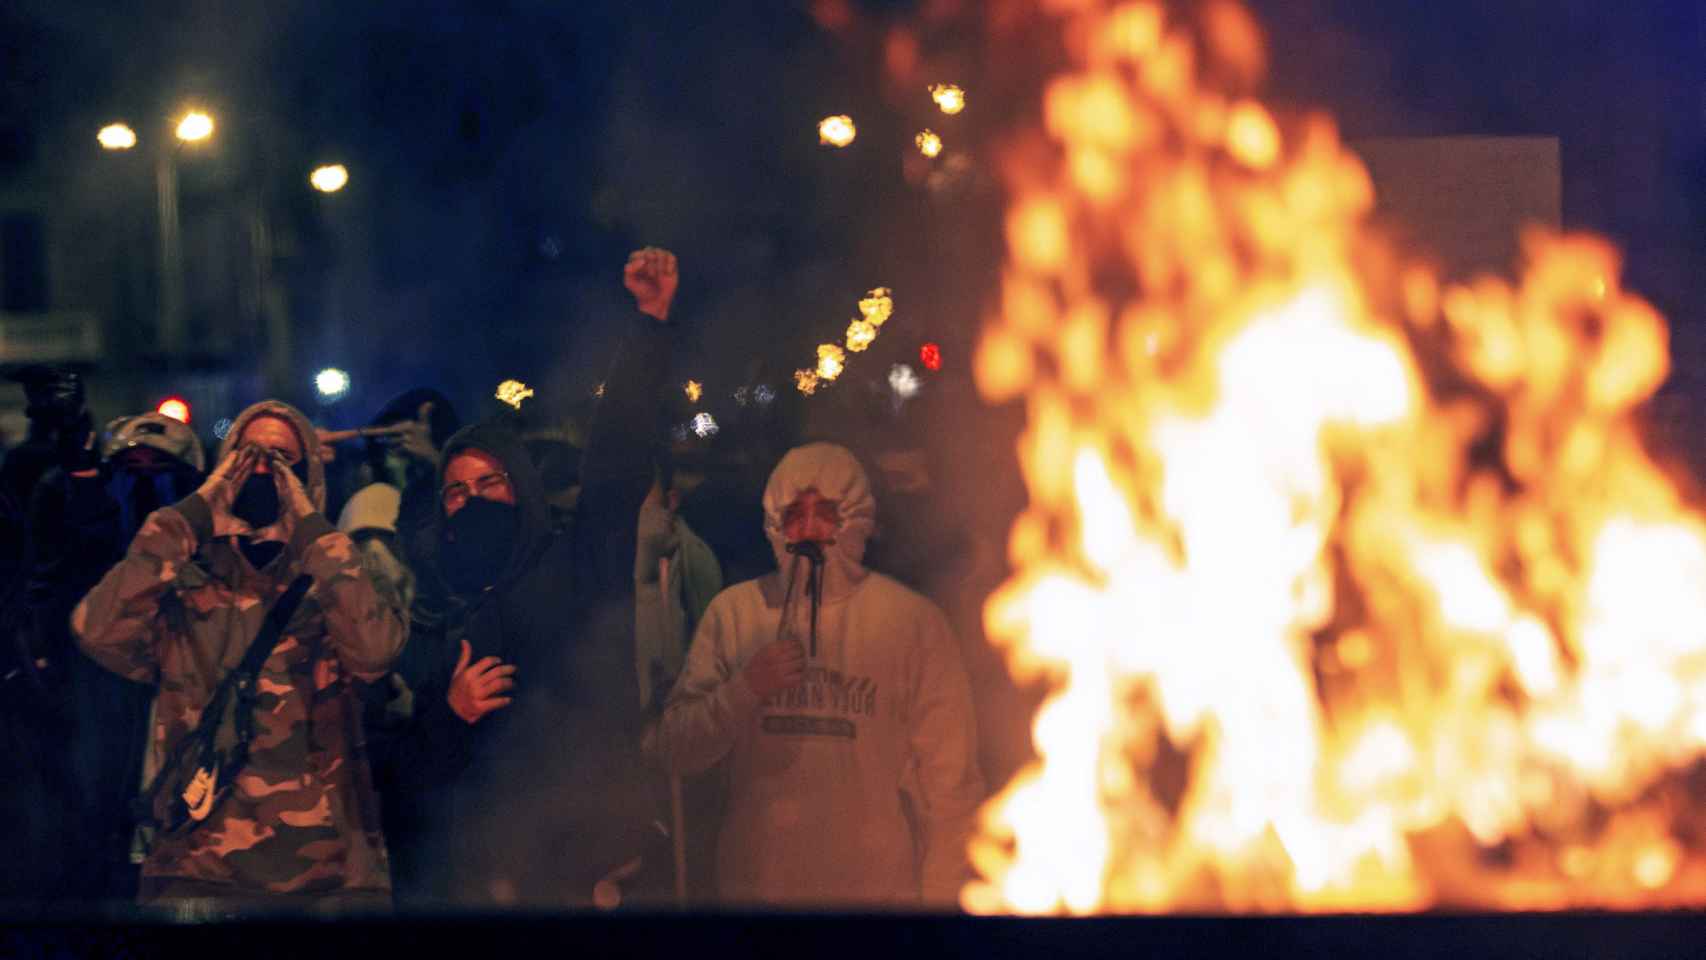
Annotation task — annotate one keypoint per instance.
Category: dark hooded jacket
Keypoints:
(540, 799)
(82, 526)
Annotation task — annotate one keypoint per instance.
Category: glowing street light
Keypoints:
(116, 136)
(903, 381)
(175, 407)
(512, 392)
(330, 178)
(836, 131)
(332, 384)
(949, 97)
(195, 126)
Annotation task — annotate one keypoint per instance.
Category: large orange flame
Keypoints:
(1358, 591)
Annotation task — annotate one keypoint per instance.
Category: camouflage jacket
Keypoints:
(179, 611)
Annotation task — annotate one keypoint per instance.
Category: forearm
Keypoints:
(619, 441)
(697, 730)
(114, 622)
(364, 620)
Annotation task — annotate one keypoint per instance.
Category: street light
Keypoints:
(330, 178)
(195, 126)
(332, 384)
(175, 407)
(116, 136)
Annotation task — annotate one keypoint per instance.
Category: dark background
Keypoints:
(505, 156)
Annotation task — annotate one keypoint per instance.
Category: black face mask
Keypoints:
(257, 502)
(476, 545)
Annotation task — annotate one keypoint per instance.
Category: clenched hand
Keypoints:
(650, 276)
(776, 667)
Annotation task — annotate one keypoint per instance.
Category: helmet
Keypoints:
(156, 430)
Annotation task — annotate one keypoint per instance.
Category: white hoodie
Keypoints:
(859, 786)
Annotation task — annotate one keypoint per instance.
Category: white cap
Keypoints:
(373, 507)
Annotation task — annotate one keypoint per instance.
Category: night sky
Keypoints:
(506, 155)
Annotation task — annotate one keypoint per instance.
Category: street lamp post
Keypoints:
(171, 254)
(194, 127)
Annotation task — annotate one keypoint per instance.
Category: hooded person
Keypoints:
(521, 761)
(370, 519)
(676, 576)
(840, 702)
(296, 823)
(61, 434)
(84, 518)
(408, 461)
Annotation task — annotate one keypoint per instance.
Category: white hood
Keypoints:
(373, 507)
(835, 474)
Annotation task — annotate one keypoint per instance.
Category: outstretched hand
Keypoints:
(415, 440)
(650, 275)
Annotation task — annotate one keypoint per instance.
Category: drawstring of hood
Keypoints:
(812, 552)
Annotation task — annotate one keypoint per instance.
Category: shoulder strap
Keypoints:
(267, 637)
(248, 672)
(202, 739)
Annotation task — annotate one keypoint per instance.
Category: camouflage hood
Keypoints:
(316, 479)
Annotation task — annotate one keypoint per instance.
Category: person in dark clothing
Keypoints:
(409, 459)
(61, 433)
(522, 751)
(35, 718)
(83, 521)
(61, 430)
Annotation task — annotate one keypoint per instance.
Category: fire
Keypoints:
(929, 142)
(836, 131)
(1356, 591)
(806, 381)
(693, 390)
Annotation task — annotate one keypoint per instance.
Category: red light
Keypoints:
(931, 356)
(176, 408)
